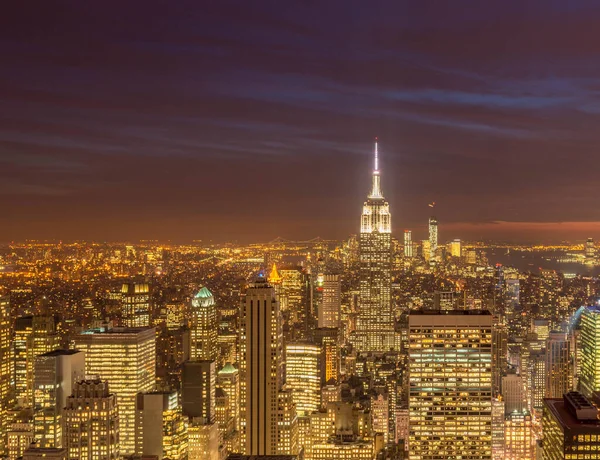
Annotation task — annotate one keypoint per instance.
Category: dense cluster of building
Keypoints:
(370, 348)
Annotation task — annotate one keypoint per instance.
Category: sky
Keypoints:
(244, 121)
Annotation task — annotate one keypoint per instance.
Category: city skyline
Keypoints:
(156, 123)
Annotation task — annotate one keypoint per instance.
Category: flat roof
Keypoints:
(568, 421)
(61, 352)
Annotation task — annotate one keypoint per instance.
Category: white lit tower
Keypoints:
(433, 235)
(375, 323)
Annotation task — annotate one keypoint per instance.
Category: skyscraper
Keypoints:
(571, 428)
(204, 326)
(375, 322)
(433, 238)
(450, 391)
(303, 375)
(329, 313)
(126, 358)
(198, 383)
(160, 427)
(261, 368)
(91, 422)
(135, 298)
(589, 377)
(408, 244)
(55, 374)
(6, 368)
(590, 252)
(559, 376)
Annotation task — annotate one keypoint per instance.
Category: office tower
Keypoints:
(571, 428)
(448, 300)
(590, 252)
(294, 301)
(135, 298)
(425, 250)
(589, 377)
(91, 422)
(381, 414)
(519, 439)
(42, 453)
(329, 313)
(34, 335)
(541, 327)
(455, 248)
(287, 424)
(160, 426)
(375, 322)
(559, 377)
(203, 326)
(126, 358)
(408, 244)
(6, 368)
(261, 368)
(203, 440)
(228, 379)
(198, 383)
(513, 289)
(55, 374)
(513, 393)
(498, 418)
(303, 375)
(433, 238)
(499, 355)
(536, 381)
(20, 436)
(450, 392)
(471, 257)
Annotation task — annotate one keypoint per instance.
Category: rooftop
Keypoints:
(61, 352)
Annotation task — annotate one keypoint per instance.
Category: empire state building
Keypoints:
(375, 322)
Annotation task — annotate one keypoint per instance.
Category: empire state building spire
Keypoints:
(376, 189)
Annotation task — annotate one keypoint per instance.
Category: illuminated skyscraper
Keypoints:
(450, 385)
(261, 368)
(408, 244)
(455, 248)
(34, 335)
(519, 440)
(571, 428)
(160, 426)
(590, 252)
(126, 358)
(329, 313)
(433, 238)
(204, 326)
(55, 374)
(91, 422)
(589, 378)
(375, 322)
(303, 375)
(559, 376)
(228, 415)
(135, 298)
(6, 368)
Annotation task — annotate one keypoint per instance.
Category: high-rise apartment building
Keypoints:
(91, 422)
(589, 377)
(261, 368)
(375, 322)
(559, 375)
(55, 374)
(135, 298)
(450, 384)
(161, 429)
(571, 428)
(329, 313)
(126, 358)
(303, 375)
(204, 326)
